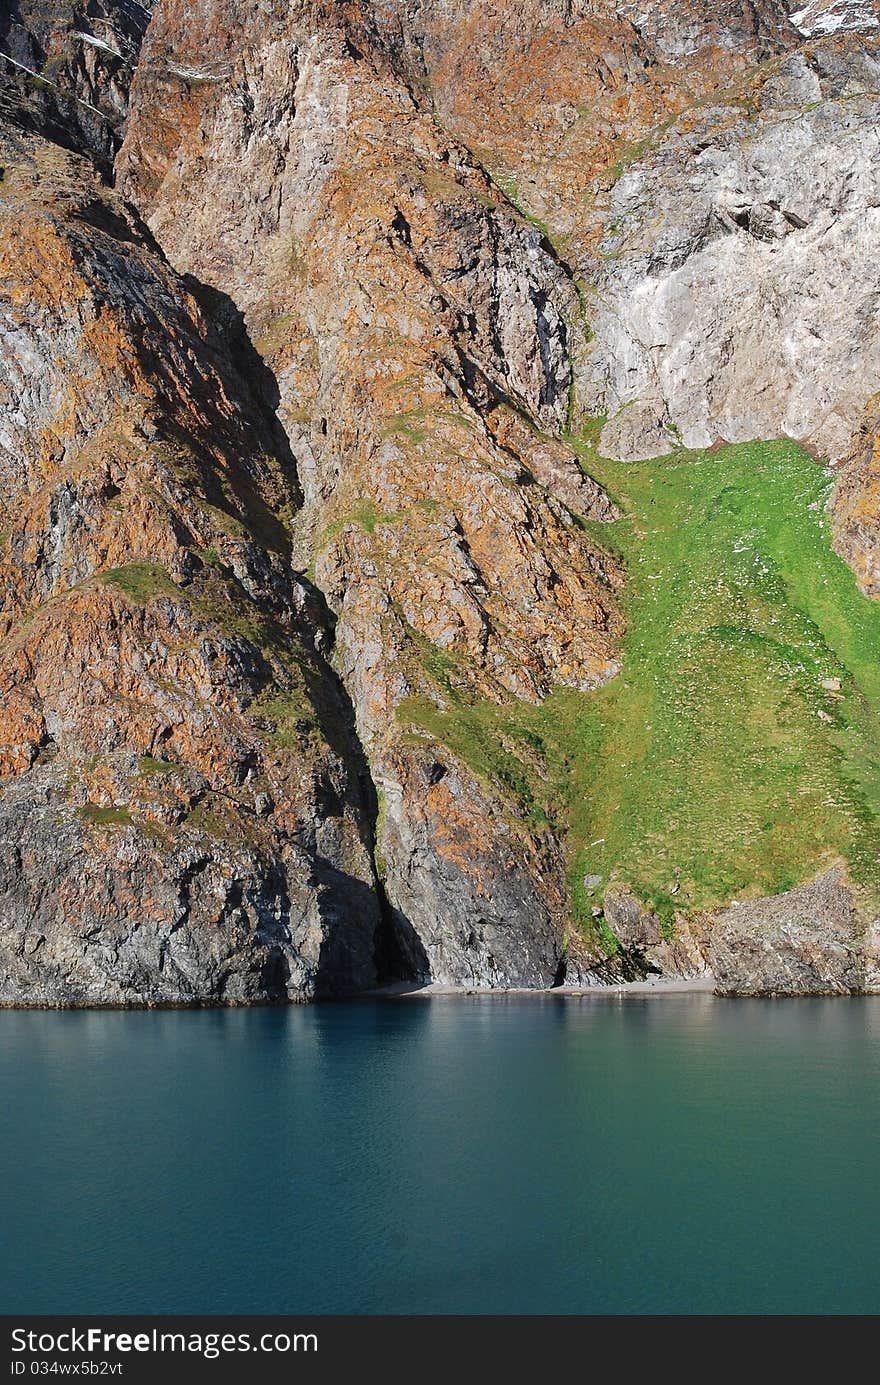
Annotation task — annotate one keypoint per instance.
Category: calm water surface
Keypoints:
(651, 1155)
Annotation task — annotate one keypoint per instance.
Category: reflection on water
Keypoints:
(497, 1154)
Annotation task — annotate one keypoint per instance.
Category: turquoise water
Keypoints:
(454, 1155)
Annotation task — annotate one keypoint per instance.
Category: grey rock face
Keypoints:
(645, 948)
(632, 925)
(818, 18)
(65, 69)
(185, 814)
(737, 292)
(98, 913)
(809, 941)
(526, 337)
(469, 909)
(677, 29)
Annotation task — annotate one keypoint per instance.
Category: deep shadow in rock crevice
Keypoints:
(400, 953)
(397, 952)
(254, 388)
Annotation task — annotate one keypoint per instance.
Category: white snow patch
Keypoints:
(820, 18)
(46, 83)
(198, 74)
(97, 43)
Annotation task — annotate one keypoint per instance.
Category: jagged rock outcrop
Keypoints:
(643, 946)
(855, 505)
(66, 69)
(421, 333)
(185, 811)
(809, 941)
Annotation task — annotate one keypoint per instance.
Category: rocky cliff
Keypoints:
(186, 811)
(309, 581)
(67, 69)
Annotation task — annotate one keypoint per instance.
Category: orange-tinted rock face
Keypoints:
(421, 333)
(263, 465)
(551, 94)
(855, 506)
(183, 800)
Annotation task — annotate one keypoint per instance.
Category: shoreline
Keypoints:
(402, 990)
(406, 990)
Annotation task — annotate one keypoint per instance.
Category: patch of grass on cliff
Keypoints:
(507, 184)
(220, 819)
(150, 768)
(141, 581)
(632, 153)
(715, 765)
(105, 817)
(365, 515)
(503, 745)
(557, 240)
(289, 714)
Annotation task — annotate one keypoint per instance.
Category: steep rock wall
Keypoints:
(185, 812)
(421, 335)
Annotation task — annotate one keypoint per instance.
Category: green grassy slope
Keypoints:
(716, 765)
